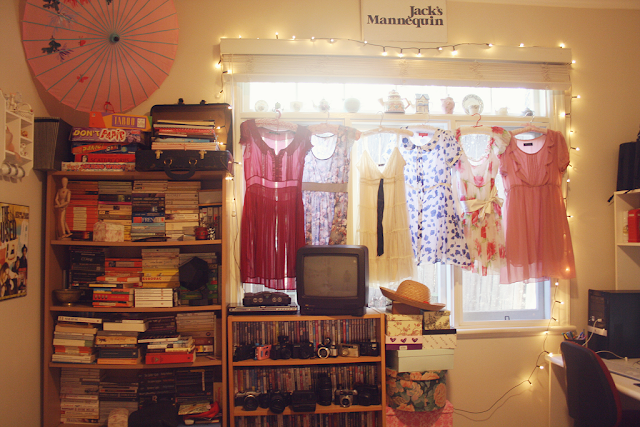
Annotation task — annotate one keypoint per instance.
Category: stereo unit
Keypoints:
(614, 323)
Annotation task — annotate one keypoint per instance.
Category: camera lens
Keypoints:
(285, 353)
(323, 352)
(250, 403)
(277, 404)
(345, 401)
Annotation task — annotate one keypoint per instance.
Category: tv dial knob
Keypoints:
(279, 299)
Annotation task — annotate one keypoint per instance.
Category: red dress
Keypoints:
(537, 237)
(273, 215)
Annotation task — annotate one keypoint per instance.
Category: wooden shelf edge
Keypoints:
(140, 244)
(76, 308)
(293, 362)
(331, 409)
(203, 362)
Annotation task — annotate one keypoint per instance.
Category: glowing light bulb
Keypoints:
(550, 354)
(521, 44)
(276, 34)
(384, 51)
(401, 54)
(568, 179)
(439, 47)
(365, 42)
(454, 51)
(557, 283)
(332, 40)
(573, 61)
(293, 37)
(562, 45)
(490, 44)
(541, 367)
(419, 53)
(576, 96)
(313, 39)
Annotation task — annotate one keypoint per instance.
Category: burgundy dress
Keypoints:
(537, 237)
(273, 215)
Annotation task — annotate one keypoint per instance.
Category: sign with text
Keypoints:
(404, 20)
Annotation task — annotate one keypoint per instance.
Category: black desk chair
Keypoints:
(592, 397)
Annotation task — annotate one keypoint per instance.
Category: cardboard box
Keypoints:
(119, 120)
(440, 338)
(420, 360)
(436, 319)
(442, 417)
(417, 391)
(403, 324)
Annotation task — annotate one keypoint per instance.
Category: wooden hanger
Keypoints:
(382, 129)
(424, 125)
(529, 127)
(322, 128)
(277, 124)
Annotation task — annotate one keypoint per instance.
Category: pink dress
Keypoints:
(273, 215)
(537, 237)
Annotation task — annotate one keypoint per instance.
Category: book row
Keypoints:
(351, 419)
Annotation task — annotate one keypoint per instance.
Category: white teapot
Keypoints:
(323, 106)
(394, 104)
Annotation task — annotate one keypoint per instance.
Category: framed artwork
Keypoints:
(14, 243)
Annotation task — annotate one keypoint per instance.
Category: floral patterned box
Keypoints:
(108, 232)
(416, 391)
(436, 319)
(440, 338)
(442, 417)
(431, 359)
(403, 324)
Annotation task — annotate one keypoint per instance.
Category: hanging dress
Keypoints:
(272, 226)
(324, 187)
(537, 236)
(436, 233)
(482, 216)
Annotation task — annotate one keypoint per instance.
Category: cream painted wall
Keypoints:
(605, 75)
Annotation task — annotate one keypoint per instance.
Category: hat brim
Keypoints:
(392, 295)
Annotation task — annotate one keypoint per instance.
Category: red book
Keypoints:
(105, 157)
(634, 226)
(112, 297)
(171, 357)
(133, 277)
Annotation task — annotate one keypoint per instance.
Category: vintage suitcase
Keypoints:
(183, 164)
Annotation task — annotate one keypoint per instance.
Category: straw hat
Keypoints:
(412, 293)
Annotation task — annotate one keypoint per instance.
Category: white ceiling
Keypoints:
(592, 4)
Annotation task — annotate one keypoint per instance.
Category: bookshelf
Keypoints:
(262, 375)
(18, 155)
(57, 260)
(627, 255)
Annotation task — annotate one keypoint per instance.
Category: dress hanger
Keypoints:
(477, 128)
(424, 125)
(529, 127)
(382, 129)
(276, 124)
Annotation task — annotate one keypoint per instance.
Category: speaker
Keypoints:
(51, 143)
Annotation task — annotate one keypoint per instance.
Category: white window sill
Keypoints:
(511, 332)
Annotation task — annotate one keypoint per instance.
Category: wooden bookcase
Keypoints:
(627, 255)
(263, 325)
(20, 126)
(57, 260)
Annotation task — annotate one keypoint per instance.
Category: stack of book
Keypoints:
(157, 386)
(117, 395)
(200, 326)
(87, 263)
(181, 209)
(103, 149)
(122, 270)
(154, 297)
(161, 326)
(74, 339)
(82, 211)
(112, 297)
(194, 386)
(114, 204)
(148, 206)
(211, 292)
(169, 349)
(79, 390)
(184, 135)
(117, 348)
(160, 267)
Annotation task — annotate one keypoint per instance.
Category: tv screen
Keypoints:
(332, 279)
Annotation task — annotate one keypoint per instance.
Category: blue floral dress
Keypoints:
(436, 231)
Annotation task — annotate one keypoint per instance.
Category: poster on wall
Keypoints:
(14, 242)
(404, 20)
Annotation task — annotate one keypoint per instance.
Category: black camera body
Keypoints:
(345, 398)
(303, 401)
(303, 350)
(369, 348)
(367, 394)
(324, 390)
(275, 400)
(244, 352)
(248, 400)
(282, 350)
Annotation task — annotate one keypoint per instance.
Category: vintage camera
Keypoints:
(345, 398)
(303, 350)
(324, 349)
(369, 348)
(349, 350)
(244, 352)
(367, 394)
(262, 352)
(324, 390)
(275, 400)
(303, 401)
(282, 350)
(248, 400)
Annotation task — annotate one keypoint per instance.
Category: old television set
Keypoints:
(332, 279)
(614, 323)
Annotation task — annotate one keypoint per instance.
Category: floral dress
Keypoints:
(324, 187)
(436, 233)
(482, 217)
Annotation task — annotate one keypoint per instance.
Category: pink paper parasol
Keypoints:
(95, 55)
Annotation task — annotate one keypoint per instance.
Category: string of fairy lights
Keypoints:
(418, 52)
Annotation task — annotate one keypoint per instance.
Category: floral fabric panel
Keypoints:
(442, 417)
(326, 202)
(416, 391)
(436, 233)
(482, 217)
